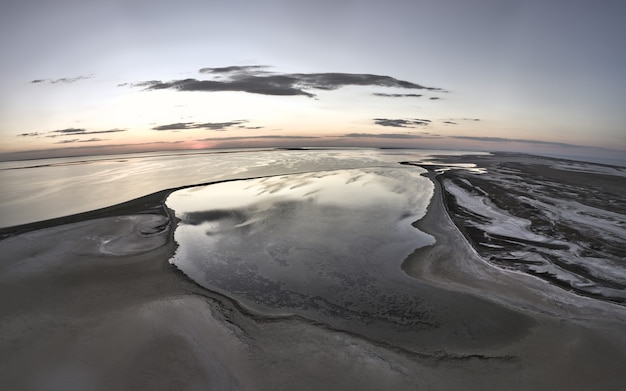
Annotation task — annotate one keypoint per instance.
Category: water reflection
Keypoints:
(43, 189)
(40, 190)
(325, 245)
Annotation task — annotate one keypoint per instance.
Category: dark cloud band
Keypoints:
(401, 123)
(77, 131)
(205, 125)
(64, 80)
(69, 132)
(76, 140)
(256, 80)
(397, 95)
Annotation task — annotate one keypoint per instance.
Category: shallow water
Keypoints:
(48, 188)
(37, 190)
(328, 246)
(329, 242)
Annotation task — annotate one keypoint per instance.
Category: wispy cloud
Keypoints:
(64, 80)
(206, 125)
(147, 83)
(31, 134)
(76, 140)
(80, 131)
(397, 95)
(69, 132)
(401, 123)
(455, 121)
(240, 69)
(256, 79)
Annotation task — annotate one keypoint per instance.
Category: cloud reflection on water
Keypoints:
(325, 244)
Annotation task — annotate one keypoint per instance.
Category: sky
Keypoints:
(98, 77)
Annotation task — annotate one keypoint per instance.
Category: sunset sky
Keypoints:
(96, 77)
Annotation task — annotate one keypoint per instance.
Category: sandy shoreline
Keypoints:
(76, 318)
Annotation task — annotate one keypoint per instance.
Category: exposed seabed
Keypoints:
(92, 302)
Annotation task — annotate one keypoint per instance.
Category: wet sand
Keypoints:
(75, 317)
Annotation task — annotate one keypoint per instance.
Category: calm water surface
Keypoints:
(321, 244)
(47, 188)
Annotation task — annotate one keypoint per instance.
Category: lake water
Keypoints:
(328, 242)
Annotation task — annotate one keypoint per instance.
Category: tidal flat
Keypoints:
(314, 269)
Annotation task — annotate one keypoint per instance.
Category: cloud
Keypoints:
(106, 131)
(450, 122)
(397, 95)
(383, 135)
(254, 79)
(249, 69)
(31, 134)
(76, 140)
(175, 126)
(434, 98)
(274, 85)
(206, 125)
(256, 137)
(80, 131)
(64, 80)
(147, 83)
(464, 119)
(69, 132)
(401, 123)
(331, 81)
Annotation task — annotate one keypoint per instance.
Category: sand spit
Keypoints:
(95, 305)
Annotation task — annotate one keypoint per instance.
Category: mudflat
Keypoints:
(92, 302)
